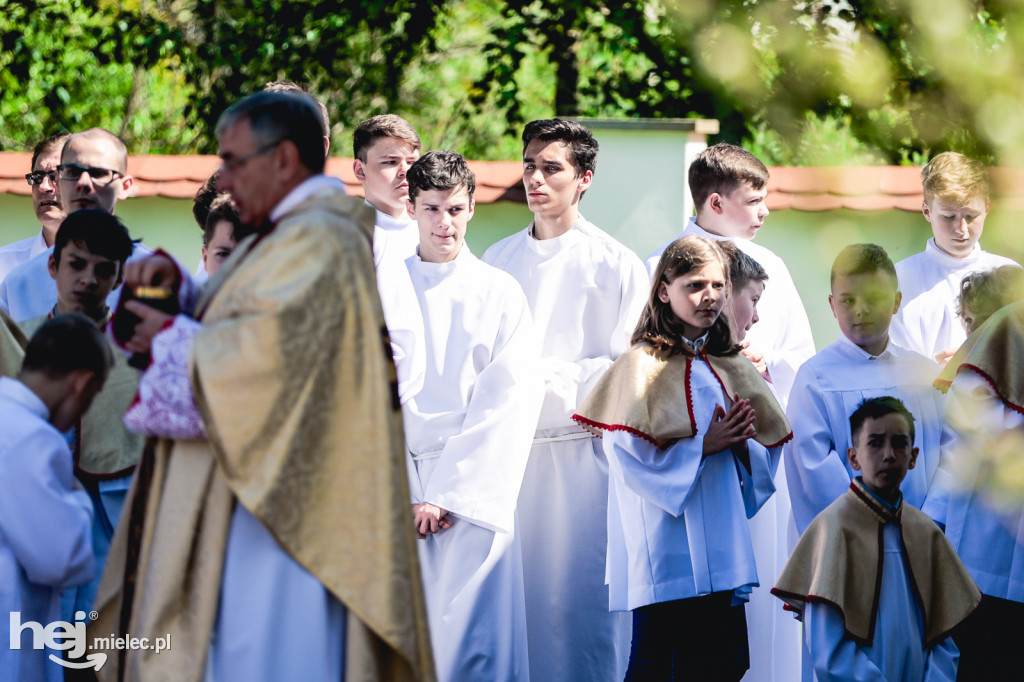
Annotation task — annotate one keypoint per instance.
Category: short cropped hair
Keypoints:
(440, 170)
(742, 268)
(68, 343)
(102, 134)
(384, 125)
(102, 233)
(289, 86)
(278, 116)
(858, 259)
(876, 408)
(722, 168)
(52, 143)
(955, 178)
(203, 199)
(223, 209)
(575, 136)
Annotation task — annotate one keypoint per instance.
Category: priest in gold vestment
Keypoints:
(271, 539)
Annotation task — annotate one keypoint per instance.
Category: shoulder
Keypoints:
(501, 249)
(910, 262)
(992, 260)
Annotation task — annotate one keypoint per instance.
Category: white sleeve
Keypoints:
(45, 515)
(662, 477)
(835, 657)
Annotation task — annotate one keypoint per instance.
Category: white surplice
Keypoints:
(45, 529)
(677, 520)
(585, 291)
(927, 322)
(468, 429)
(29, 291)
(895, 652)
(14, 254)
(783, 334)
(828, 389)
(394, 238)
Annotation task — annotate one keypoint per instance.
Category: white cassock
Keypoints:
(394, 238)
(988, 540)
(29, 291)
(783, 334)
(14, 254)
(45, 529)
(927, 322)
(677, 521)
(586, 292)
(828, 389)
(468, 429)
(895, 652)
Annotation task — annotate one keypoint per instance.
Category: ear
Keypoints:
(357, 168)
(120, 273)
(896, 302)
(584, 181)
(410, 207)
(126, 184)
(851, 454)
(926, 211)
(832, 306)
(51, 265)
(716, 202)
(287, 157)
(663, 292)
(913, 457)
(79, 381)
(472, 208)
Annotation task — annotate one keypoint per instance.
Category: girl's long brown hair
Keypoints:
(658, 325)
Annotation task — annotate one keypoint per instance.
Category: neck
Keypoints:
(875, 347)
(394, 211)
(890, 495)
(50, 233)
(549, 227)
(707, 223)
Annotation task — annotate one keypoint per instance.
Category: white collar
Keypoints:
(951, 262)
(24, 396)
(304, 190)
(697, 343)
(886, 354)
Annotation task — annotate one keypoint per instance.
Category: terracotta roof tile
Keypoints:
(860, 188)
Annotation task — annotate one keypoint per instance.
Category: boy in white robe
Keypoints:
(862, 363)
(956, 202)
(986, 409)
(871, 617)
(45, 516)
(585, 291)
(729, 185)
(384, 148)
(468, 426)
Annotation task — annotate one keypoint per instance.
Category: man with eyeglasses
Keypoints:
(45, 203)
(271, 540)
(93, 173)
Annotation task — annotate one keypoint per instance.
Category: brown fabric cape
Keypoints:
(293, 377)
(12, 346)
(106, 449)
(839, 561)
(647, 393)
(995, 351)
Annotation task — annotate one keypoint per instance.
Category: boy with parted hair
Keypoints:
(87, 262)
(470, 400)
(956, 202)
(384, 148)
(45, 516)
(586, 292)
(863, 362)
(876, 584)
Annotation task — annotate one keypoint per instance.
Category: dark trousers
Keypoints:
(990, 642)
(703, 638)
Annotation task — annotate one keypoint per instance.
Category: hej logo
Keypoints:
(59, 635)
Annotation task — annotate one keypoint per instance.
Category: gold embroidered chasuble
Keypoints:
(292, 374)
(12, 346)
(647, 393)
(839, 561)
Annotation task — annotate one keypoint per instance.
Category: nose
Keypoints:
(88, 278)
(762, 212)
(532, 177)
(47, 185)
(754, 320)
(403, 168)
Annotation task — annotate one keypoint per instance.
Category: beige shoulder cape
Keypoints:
(12, 346)
(293, 377)
(996, 352)
(647, 393)
(839, 561)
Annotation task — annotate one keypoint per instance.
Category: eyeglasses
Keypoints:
(101, 177)
(234, 164)
(36, 177)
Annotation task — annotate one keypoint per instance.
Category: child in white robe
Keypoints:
(690, 460)
(585, 291)
(468, 427)
(864, 362)
(728, 185)
(871, 617)
(956, 202)
(45, 515)
(983, 293)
